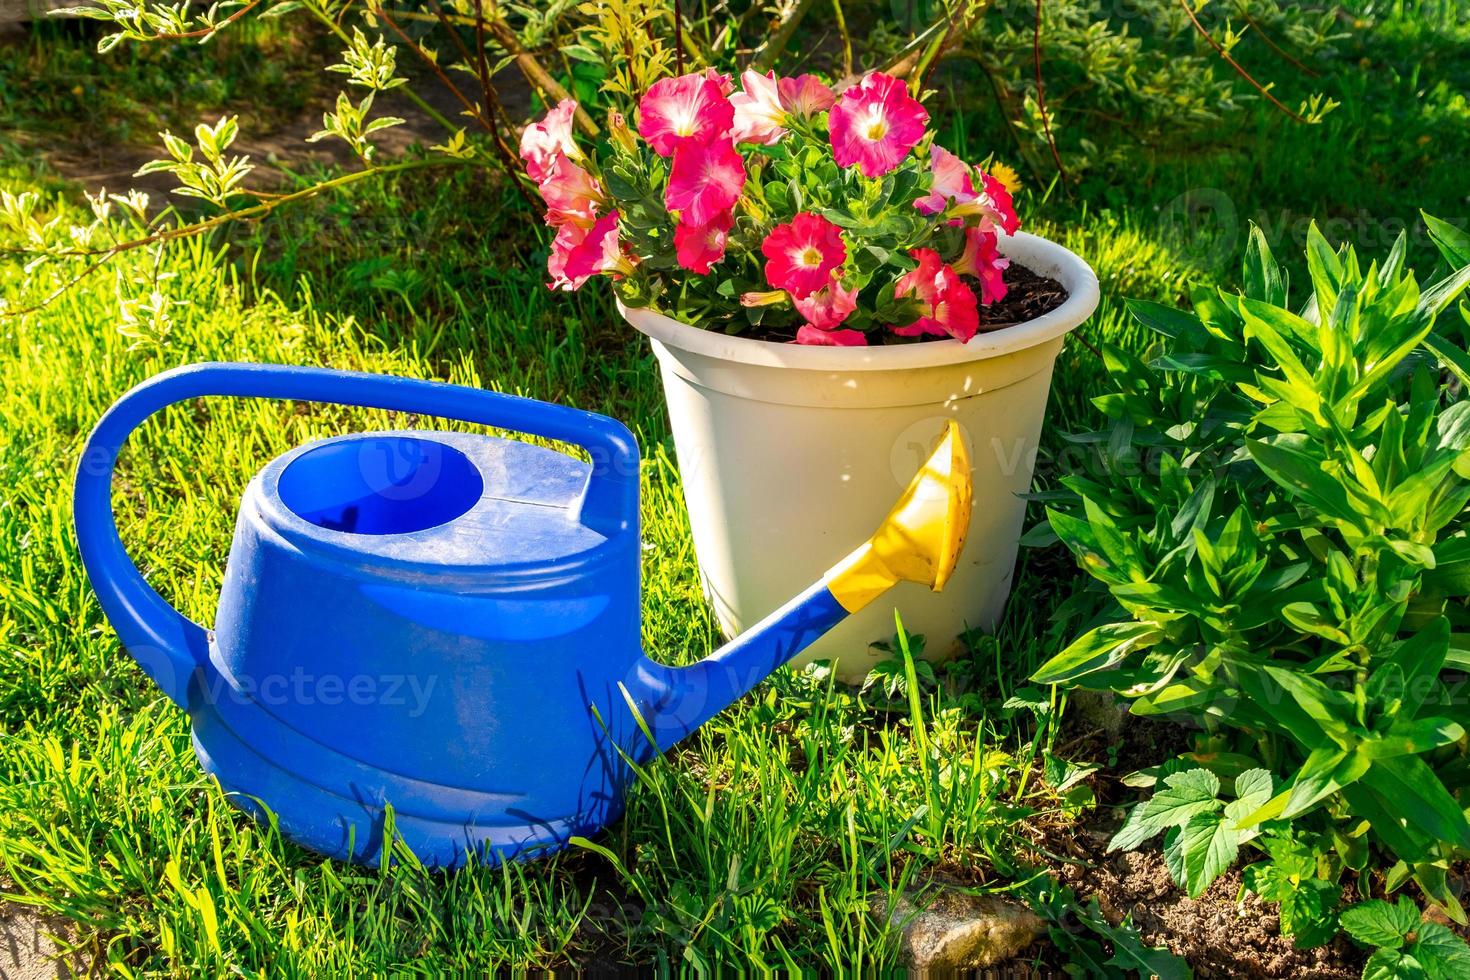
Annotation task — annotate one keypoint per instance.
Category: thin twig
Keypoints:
(405, 90)
(765, 58)
(60, 290)
(678, 39)
(433, 65)
(958, 24)
(1261, 32)
(535, 74)
(1002, 102)
(1041, 94)
(1234, 64)
(200, 227)
(1077, 336)
(493, 108)
(846, 38)
(244, 214)
(206, 31)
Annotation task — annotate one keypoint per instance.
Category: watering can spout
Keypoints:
(919, 541)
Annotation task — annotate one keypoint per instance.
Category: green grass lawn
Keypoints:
(761, 840)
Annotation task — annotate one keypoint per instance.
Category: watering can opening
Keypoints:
(392, 484)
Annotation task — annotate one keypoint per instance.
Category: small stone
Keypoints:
(948, 930)
(1098, 710)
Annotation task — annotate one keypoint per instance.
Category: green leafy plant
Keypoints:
(1300, 877)
(1405, 947)
(1202, 832)
(1276, 524)
(1082, 934)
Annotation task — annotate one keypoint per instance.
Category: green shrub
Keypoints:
(1113, 76)
(1278, 517)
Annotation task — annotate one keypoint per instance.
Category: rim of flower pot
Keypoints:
(1038, 254)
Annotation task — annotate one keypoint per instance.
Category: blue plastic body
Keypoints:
(440, 622)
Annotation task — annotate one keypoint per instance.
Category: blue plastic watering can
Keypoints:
(448, 624)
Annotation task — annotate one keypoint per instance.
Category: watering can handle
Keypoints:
(169, 646)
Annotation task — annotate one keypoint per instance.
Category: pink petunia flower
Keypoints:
(874, 125)
(805, 95)
(982, 259)
(542, 141)
(699, 247)
(949, 305)
(758, 110)
(816, 337)
(579, 253)
(705, 179)
(802, 254)
(1001, 203)
(689, 107)
(720, 79)
(828, 306)
(951, 182)
(571, 194)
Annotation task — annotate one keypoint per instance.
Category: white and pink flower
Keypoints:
(690, 107)
(875, 124)
(828, 306)
(951, 182)
(805, 95)
(572, 195)
(759, 113)
(698, 247)
(705, 179)
(543, 141)
(802, 254)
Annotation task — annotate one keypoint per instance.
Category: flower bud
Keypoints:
(772, 298)
(617, 130)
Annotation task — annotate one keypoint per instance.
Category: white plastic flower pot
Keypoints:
(790, 454)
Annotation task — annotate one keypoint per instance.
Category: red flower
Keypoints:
(1004, 207)
(828, 306)
(692, 106)
(698, 247)
(982, 259)
(813, 337)
(705, 179)
(579, 253)
(802, 254)
(949, 305)
(874, 125)
(571, 194)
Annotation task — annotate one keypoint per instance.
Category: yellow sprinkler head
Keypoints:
(921, 538)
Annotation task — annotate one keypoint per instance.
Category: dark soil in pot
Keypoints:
(1028, 295)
